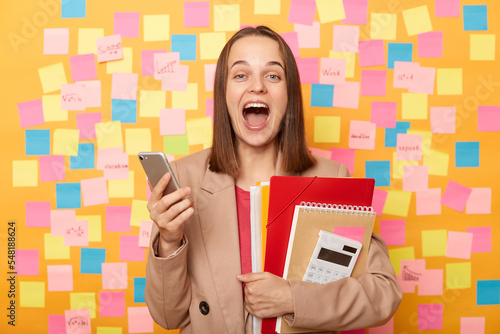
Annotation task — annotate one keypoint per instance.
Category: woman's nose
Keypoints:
(257, 85)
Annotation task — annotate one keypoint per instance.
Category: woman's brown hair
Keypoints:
(291, 137)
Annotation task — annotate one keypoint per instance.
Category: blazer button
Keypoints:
(204, 308)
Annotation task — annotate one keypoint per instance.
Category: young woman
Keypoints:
(199, 259)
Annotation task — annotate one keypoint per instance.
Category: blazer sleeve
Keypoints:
(368, 300)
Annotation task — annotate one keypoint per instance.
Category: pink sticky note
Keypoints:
(26, 262)
(165, 63)
(423, 81)
(85, 122)
(126, 24)
(455, 196)
(92, 92)
(56, 41)
(371, 53)
(346, 95)
(118, 218)
(443, 119)
(94, 191)
(77, 321)
(481, 239)
(60, 277)
(409, 147)
(37, 214)
(145, 233)
(378, 201)
(332, 71)
(139, 320)
(104, 154)
(51, 168)
(345, 38)
(429, 202)
(488, 118)
(406, 286)
(404, 73)
(114, 276)
(147, 61)
(196, 14)
(373, 82)
(388, 328)
(112, 303)
(430, 44)
(116, 166)
(383, 114)
(130, 250)
(344, 156)
(209, 76)
(57, 324)
(393, 231)
(447, 8)
(76, 233)
(292, 39)
(302, 12)
(430, 316)
(412, 271)
(319, 152)
(209, 108)
(474, 325)
(431, 283)
(356, 12)
(59, 219)
(124, 86)
(176, 81)
(83, 67)
(362, 135)
(31, 113)
(415, 178)
(109, 48)
(308, 70)
(459, 245)
(479, 201)
(308, 36)
(73, 97)
(172, 121)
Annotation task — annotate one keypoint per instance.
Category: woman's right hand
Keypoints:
(169, 213)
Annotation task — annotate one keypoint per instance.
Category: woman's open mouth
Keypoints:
(256, 115)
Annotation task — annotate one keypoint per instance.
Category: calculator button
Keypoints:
(318, 278)
(336, 275)
(326, 279)
(310, 275)
(329, 272)
(314, 267)
(321, 270)
(344, 275)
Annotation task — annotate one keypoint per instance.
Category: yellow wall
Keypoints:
(22, 27)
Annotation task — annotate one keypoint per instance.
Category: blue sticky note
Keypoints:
(73, 8)
(185, 45)
(68, 195)
(91, 260)
(380, 171)
(37, 142)
(391, 135)
(399, 52)
(124, 111)
(85, 158)
(139, 287)
(321, 95)
(475, 17)
(488, 292)
(467, 154)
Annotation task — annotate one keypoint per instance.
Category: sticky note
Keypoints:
(308, 70)
(109, 48)
(459, 245)
(443, 119)
(383, 114)
(83, 67)
(431, 283)
(196, 14)
(118, 218)
(130, 250)
(430, 44)
(414, 106)
(165, 63)
(351, 232)
(383, 26)
(137, 140)
(52, 111)
(145, 233)
(269, 7)
(172, 121)
(456, 195)
(393, 231)
(58, 220)
(292, 40)
(449, 81)
(447, 8)
(82, 325)
(109, 134)
(437, 161)
(211, 44)
(479, 201)
(123, 65)
(488, 118)
(345, 38)
(362, 135)
(429, 201)
(345, 156)
(176, 81)
(404, 73)
(51, 168)
(488, 292)
(139, 287)
(94, 191)
(31, 113)
(87, 38)
(308, 35)
(380, 171)
(411, 273)
(76, 233)
(37, 214)
(475, 17)
(114, 276)
(397, 203)
(73, 9)
(24, 173)
(302, 12)
(112, 303)
(37, 142)
(92, 92)
(472, 325)
(321, 95)
(85, 158)
(115, 164)
(73, 97)
(68, 195)
(124, 111)
(356, 12)
(398, 254)
(156, 28)
(415, 178)
(139, 320)
(124, 86)
(326, 129)
(467, 154)
(176, 144)
(434, 243)
(54, 248)
(199, 131)
(350, 58)
(430, 316)
(95, 226)
(482, 47)
(481, 239)
(26, 262)
(126, 24)
(378, 201)
(330, 10)
(55, 41)
(458, 275)
(122, 188)
(209, 77)
(188, 99)
(109, 330)
(373, 82)
(185, 45)
(417, 20)
(85, 122)
(347, 95)
(56, 324)
(409, 147)
(371, 53)
(151, 102)
(399, 52)
(91, 260)
(65, 142)
(226, 17)
(60, 277)
(52, 77)
(32, 294)
(83, 301)
(423, 81)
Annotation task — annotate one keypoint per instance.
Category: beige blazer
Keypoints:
(196, 287)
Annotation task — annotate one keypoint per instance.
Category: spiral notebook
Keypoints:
(353, 222)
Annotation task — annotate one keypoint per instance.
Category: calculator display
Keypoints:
(334, 257)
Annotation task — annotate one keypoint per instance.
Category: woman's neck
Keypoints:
(256, 165)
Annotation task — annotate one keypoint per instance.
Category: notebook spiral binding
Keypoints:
(337, 209)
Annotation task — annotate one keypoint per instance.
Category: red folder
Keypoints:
(288, 191)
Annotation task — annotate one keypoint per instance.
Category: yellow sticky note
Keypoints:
(65, 142)
(458, 275)
(437, 161)
(434, 242)
(83, 300)
(150, 102)
(398, 254)
(52, 77)
(330, 10)
(211, 44)
(87, 39)
(414, 106)
(326, 129)
(199, 131)
(176, 145)
(122, 188)
(52, 109)
(383, 26)
(25, 173)
(123, 65)
(449, 81)
(226, 17)
(139, 212)
(267, 7)
(417, 20)
(188, 99)
(350, 58)
(156, 28)
(95, 226)
(398, 166)
(109, 330)
(482, 47)
(137, 140)
(109, 134)
(54, 247)
(397, 203)
(31, 294)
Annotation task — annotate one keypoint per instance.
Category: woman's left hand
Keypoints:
(267, 295)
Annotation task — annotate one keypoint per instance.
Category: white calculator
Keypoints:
(333, 258)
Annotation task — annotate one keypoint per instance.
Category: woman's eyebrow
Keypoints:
(270, 63)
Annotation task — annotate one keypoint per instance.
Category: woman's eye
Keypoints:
(240, 76)
(274, 77)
